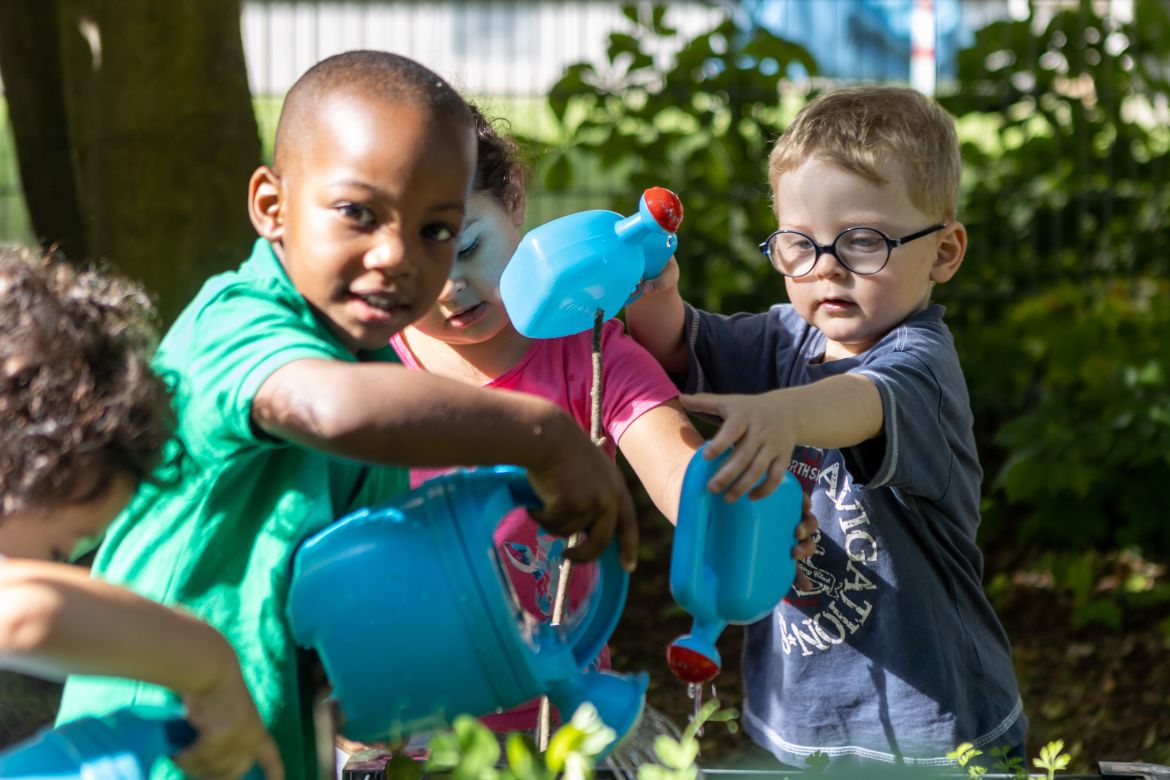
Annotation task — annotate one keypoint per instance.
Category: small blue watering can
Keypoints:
(415, 620)
(565, 270)
(730, 563)
(123, 745)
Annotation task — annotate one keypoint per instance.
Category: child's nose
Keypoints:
(828, 265)
(452, 288)
(388, 254)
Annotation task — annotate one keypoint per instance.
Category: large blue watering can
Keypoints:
(730, 563)
(123, 745)
(415, 620)
(565, 270)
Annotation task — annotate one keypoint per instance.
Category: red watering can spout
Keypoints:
(691, 665)
(665, 207)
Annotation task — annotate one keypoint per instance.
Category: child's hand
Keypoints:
(758, 429)
(231, 737)
(583, 490)
(666, 281)
(805, 546)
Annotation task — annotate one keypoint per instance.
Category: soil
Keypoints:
(1104, 691)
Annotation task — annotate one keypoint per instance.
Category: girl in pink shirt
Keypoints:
(468, 336)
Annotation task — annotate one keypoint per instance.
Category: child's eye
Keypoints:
(439, 232)
(360, 215)
(469, 250)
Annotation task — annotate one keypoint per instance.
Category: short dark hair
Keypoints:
(364, 73)
(76, 388)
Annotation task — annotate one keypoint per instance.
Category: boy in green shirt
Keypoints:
(290, 410)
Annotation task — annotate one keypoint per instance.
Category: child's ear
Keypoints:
(517, 204)
(951, 250)
(515, 196)
(264, 203)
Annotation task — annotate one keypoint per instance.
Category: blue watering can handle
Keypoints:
(687, 559)
(589, 637)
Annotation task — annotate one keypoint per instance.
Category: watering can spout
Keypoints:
(693, 657)
(618, 698)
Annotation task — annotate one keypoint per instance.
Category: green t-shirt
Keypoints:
(218, 539)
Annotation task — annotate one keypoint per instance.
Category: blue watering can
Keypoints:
(123, 745)
(730, 563)
(415, 620)
(565, 270)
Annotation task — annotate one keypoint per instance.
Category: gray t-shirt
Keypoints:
(895, 653)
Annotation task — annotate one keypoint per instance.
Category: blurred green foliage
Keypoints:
(1061, 311)
(703, 127)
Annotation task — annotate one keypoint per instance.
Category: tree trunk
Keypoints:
(160, 134)
(30, 61)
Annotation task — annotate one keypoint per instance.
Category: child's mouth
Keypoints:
(836, 304)
(379, 305)
(465, 318)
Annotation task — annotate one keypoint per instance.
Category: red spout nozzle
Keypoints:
(690, 665)
(665, 207)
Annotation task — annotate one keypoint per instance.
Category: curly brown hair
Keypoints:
(500, 168)
(76, 388)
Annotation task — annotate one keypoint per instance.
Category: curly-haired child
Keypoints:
(83, 420)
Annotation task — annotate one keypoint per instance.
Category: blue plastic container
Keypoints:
(123, 745)
(415, 620)
(730, 563)
(565, 270)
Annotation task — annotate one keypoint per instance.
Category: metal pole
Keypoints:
(923, 31)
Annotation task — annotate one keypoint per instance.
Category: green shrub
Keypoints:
(1061, 310)
(702, 127)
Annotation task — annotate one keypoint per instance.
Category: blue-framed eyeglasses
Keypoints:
(863, 250)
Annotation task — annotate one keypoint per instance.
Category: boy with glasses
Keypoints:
(894, 654)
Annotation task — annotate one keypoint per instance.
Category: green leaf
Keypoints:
(445, 752)
(523, 758)
(817, 762)
(571, 84)
(669, 751)
(622, 43)
(964, 753)
(658, 24)
(479, 747)
(654, 772)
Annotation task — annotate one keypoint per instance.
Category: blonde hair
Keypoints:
(862, 128)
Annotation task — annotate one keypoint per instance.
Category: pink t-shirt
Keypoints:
(561, 370)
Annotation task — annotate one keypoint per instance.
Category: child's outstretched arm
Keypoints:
(656, 319)
(56, 620)
(839, 411)
(383, 413)
(660, 444)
